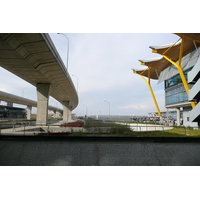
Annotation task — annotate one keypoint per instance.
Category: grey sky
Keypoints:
(102, 62)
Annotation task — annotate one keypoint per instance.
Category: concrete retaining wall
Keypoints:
(48, 151)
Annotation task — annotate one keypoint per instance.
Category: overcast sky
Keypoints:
(101, 64)
(104, 45)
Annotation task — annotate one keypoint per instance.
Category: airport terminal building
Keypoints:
(179, 69)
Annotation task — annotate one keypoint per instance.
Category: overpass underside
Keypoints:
(34, 58)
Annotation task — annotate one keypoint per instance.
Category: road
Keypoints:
(146, 127)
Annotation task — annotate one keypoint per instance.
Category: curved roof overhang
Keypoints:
(156, 65)
(172, 50)
(169, 50)
(191, 36)
(153, 73)
(142, 72)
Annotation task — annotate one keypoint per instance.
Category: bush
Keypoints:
(73, 124)
(120, 130)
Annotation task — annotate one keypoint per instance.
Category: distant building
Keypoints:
(9, 104)
(7, 112)
(170, 114)
(168, 117)
(119, 117)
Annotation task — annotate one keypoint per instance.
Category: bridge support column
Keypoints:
(43, 90)
(55, 116)
(70, 116)
(60, 114)
(66, 114)
(178, 116)
(28, 109)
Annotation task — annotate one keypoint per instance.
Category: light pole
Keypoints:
(108, 107)
(86, 109)
(77, 83)
(67, 49)
(139, 113)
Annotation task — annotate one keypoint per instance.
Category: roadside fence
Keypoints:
(130, 129)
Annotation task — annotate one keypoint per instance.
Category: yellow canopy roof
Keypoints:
(191, 36)
(172, 50)
(155, 66)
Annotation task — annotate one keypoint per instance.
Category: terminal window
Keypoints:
(175, 80)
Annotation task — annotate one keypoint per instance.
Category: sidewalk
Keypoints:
(146, 127)
(27, 130)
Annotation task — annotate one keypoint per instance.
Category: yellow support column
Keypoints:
(151, 91)
(180, 70)
(152, 94)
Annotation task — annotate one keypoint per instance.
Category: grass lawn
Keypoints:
(122, 130)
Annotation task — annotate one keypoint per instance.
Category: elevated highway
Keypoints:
(4, 96)
(34, 58)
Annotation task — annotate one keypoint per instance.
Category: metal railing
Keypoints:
(125, 129)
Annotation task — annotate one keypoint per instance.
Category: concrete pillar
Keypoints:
(178, 116)
(66, 113)
(28, 109)
(60, 114)
(54, 114)
(43, 90)
(70, 116)
(161, 119)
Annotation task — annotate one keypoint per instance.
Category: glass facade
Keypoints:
(176, 95)
(176, 79)
(174, 89)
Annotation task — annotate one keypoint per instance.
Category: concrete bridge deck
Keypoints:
(34, 58)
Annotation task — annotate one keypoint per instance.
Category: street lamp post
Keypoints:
(108, 107)
(77, 83)
(86, 109)
(67, 48)
(139, 113)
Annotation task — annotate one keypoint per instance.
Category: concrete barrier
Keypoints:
(96, 151)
